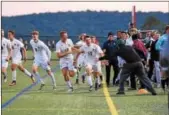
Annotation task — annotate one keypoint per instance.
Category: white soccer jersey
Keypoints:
(16, 49)
(80, 43)
(63, 47)
(41, 51)
(92, 52)
(5, 46)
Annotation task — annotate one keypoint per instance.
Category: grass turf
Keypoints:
(81, 102)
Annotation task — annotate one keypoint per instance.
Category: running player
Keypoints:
(81, 58)
(64, 50)
(6, 54)
(92, 52)
(17, 51)
(42, 56)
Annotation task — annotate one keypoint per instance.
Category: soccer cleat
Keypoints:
(91, 88)
(142, 91)
(12, 83)
(33, 79)
(120, 93)
(5, 79)
(54, 87)
(100, 85)
(77, 81)
(96, 86)
(41, 86)
(70, 90)
(154, 93)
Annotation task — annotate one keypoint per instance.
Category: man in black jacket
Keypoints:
(108, 47)
(133, 64)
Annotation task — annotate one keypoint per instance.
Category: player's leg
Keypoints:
(89, 76)
(13, 68)
(21, 68)
(157, 73)
(36, 74)
(4, 69)
(50, 73)
(65, 73)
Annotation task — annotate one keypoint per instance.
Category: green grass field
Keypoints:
(80, 102)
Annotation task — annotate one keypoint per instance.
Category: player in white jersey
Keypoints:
(64, 52)
(17, 51)
(81, 58)
(42, 56)
(6, 54)
(92, 52)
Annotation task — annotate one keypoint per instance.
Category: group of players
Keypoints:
(84, 53)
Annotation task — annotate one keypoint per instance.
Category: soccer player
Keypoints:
(64, 51)
(42, 56)
(17, 51)
(6, 54)
(92, 52)
(81, 58)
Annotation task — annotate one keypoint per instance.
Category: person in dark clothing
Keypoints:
(108, 47)
(142, 52)
(133, 64)
(155, 55)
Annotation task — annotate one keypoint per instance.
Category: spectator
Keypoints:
(154, 54)
(108, 47)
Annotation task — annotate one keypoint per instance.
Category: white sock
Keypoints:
(99, 80)
(39, 78)
(53, 79)
(89, 79)
(14, 75)
(69, 84)
(27, 72)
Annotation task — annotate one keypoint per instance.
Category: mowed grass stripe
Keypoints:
(57, 109)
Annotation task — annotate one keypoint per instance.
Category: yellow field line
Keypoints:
(110, 103)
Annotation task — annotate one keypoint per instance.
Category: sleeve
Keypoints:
(159, 44)
(47, 51)
(99, 49)
(82, 48)
(21, 44)
(9, 45)
(71, 43)
(57, 48)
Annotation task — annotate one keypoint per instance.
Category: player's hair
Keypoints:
(12, 32)
(80, 37)
(62, 32)
(124, 32)
(153, 33)
(87, 36)
(35, 32)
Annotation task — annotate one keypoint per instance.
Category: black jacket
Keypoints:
(154, 54)
(128, 53)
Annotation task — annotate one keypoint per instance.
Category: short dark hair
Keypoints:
(110, 34)
(87, 36)
(12, 32)
(135, 36)
(62, 32)
(124, 32)
(166, 28)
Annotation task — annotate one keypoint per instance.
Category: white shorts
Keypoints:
(67, 64)
(95, 67)
(17, 61)
(81, 62)
(43, 64)
(4, 63)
